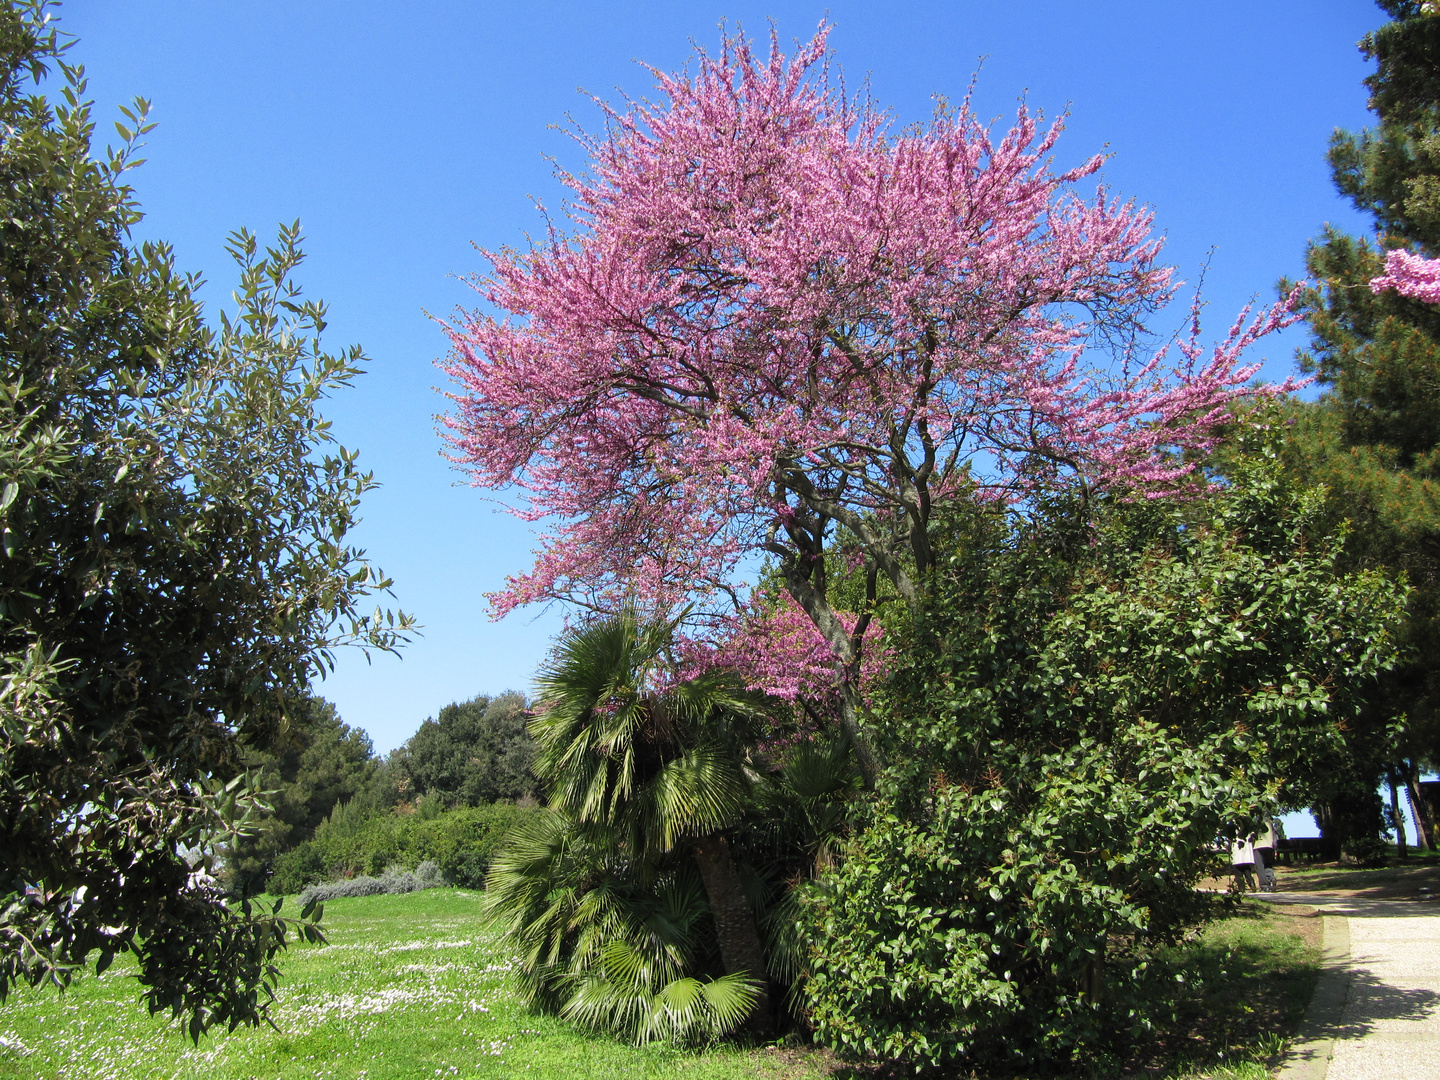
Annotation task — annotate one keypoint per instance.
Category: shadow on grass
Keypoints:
(1241, 991)
(1397, 879)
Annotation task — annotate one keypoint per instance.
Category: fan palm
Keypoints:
(801, 810)
(643, 774)
(604, 950)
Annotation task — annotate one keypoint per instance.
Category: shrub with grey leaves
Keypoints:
(427, 875)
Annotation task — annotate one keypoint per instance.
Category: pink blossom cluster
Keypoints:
(775, 317)
(1409, 275)
(780, 652)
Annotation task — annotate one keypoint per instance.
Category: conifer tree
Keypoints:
(318, 763)
(1374, 436)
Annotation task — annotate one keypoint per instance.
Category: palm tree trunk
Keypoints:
(735, 928)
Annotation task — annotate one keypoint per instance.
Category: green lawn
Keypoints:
(416, 986)
(409, 986)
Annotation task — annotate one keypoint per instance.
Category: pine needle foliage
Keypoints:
(1373, 438)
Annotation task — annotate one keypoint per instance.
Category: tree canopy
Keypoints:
(1374, 436)
(473, 752)
(906, 378)
(781, 329)
(174, 568)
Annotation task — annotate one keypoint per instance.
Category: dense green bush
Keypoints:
(353, 841)
(1079, 712)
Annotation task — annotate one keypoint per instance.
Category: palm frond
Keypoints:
(682, 1010)
(698, 792)
(687, 1010)
(680, 905)
(597, 1003)
(603, 898)
(820, 770)
(786, 950)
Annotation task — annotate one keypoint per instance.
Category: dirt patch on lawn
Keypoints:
(1303, 921)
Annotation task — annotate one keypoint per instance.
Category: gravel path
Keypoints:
(1376, 1011)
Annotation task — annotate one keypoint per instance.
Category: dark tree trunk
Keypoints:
(1352, 820)
(1092, 982)
(847, 653)
(1418, 806)
(735, 928)
(865, 758)
(1399, 819)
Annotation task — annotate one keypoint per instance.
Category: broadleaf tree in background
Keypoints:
(472, 752)
(174, 568)
(1374, 436)
(334, 810)
(780, 329)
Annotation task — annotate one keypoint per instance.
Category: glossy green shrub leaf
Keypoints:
(1087, 703)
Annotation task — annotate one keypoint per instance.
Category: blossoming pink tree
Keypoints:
(1409, 275)
(778, 326)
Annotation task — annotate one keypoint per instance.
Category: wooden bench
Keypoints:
(1310, 848)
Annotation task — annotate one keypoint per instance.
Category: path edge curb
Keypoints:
(1309, 1058)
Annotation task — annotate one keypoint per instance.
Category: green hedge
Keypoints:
(353, 842)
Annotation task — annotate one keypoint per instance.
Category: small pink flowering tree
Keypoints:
(778, 327)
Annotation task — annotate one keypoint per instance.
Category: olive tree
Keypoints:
(173, 559)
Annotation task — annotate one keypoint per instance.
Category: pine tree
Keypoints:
(318, 763)
(1374, 435)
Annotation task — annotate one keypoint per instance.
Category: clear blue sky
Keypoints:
(402, 134)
